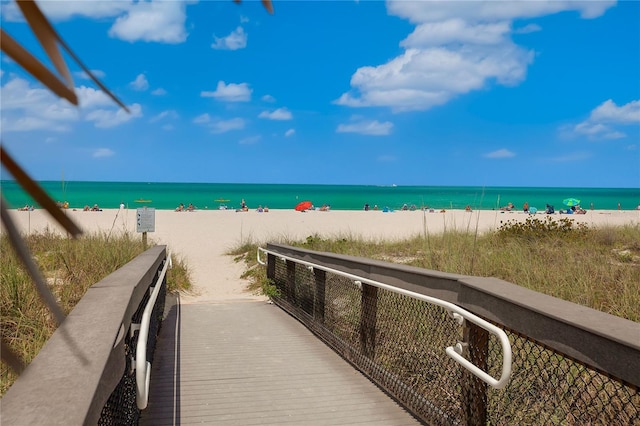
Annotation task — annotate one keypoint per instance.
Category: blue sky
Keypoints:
(502, 93)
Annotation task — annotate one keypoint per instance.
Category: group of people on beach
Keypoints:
(182, 208)
(245, 208)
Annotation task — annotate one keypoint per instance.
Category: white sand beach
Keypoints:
(203, 237)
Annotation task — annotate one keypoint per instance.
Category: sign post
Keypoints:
(146, 222)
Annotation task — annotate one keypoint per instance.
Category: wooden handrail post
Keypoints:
(291, 281)
(318, 303)
(474, 390)
(368, 317)
(271, 266)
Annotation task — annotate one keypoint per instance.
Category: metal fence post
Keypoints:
(368, 316)
(474, 390)
(318, 304)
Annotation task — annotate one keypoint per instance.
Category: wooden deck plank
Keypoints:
(249, 363)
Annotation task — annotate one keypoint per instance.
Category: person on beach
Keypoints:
(508, 207)
(467, 208)
(243, 207)
(366, 207)
(191, 207)
(525, 207)
(180, 208)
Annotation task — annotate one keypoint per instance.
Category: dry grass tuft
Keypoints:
(71, 267)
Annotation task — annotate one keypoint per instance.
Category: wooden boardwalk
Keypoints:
(250, 363)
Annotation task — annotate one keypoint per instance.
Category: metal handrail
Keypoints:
(457, 313)
(143, 367)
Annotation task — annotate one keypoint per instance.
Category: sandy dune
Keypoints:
(204, 237)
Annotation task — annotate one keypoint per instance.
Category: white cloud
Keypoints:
(609, 112)
(17, 94)
(140, 83)
(26, 108)
(373, 128)
(83, 75)
(65, 10)
(500, 153)
(250, 140)
(234, 41)
(158, 21)
(571, 157)
(27, 124)
(102, 152)
(268, 98)
(201, 119)
(222, 126)
(455, 48)
(606, 119)
(418, 12)
(217, 125)
(170, 114)
(105, 118)
(597, 131)
(159, 92)
(278, 114)
(527, 29)
(152, 21)
(88, 98)
(456, 31)
(290, 132)
(231, 92)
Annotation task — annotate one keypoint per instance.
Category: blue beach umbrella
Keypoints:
(570, 202)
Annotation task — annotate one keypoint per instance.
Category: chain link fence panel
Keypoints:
(399, 342)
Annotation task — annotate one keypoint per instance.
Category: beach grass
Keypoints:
(70, 267)
(594, 267)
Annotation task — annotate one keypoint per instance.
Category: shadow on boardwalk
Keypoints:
(247, 363)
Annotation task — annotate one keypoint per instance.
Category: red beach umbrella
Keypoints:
(305, 205)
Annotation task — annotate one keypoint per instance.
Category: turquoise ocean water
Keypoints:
(340, 197)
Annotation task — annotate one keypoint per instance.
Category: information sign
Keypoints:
(146, 219)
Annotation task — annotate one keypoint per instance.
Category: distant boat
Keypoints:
(140, 200)
(393, 185)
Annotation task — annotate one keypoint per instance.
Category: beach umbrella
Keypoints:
(570, 202)
(305, 205)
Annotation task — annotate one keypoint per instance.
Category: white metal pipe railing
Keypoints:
(143, 367)
(456, 312)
